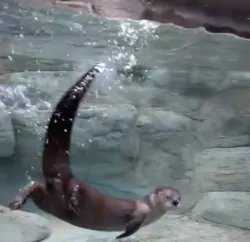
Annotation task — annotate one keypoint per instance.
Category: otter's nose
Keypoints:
(175, 203)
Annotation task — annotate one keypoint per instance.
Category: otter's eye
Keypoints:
(168, 197)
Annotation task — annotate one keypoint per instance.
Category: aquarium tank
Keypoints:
(124, 117)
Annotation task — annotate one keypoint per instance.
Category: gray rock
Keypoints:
(166, 130)
(222, 169)
(18, 226)
(30, 129)
(230, 208)
(150, 95)
(105, 124)
(155, 120)
(225, 119)
(7, 139)
(170, 228)
(165, 166)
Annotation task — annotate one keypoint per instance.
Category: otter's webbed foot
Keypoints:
(21, 198)
(74, 200)
(17, 202)
(132, 226)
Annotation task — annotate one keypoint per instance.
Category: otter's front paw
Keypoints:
(17, 203)
(73, 201)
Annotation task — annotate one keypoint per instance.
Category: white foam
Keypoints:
(100, 67)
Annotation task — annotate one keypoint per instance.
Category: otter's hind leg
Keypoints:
(74, 199)
(27, 192)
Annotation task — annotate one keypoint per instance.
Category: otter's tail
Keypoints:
(55, 160)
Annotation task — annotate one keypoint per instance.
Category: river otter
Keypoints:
(66, 197)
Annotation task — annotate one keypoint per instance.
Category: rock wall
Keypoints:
(22, 227)
(27, 227)
(171, 228)
(129, 140)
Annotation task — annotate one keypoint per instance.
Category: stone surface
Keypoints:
(18, 226)
(170, 228)
(222, 169)
(230, 208)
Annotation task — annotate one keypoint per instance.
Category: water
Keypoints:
(171, 109)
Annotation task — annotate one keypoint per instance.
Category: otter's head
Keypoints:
(168, 198)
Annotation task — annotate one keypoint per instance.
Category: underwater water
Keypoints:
(171, 109)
